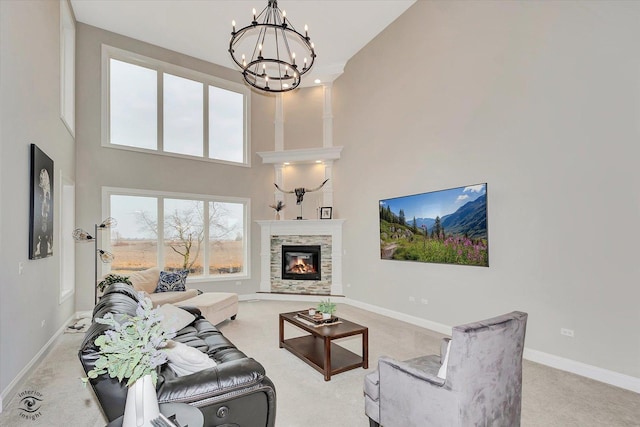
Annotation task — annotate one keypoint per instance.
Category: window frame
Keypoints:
(107, 192)
(161, 67)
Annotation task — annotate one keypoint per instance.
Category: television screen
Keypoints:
(446, 226)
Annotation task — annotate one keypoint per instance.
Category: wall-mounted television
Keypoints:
(445, 226)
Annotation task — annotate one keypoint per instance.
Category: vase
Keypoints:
(277, 216)
(326, 316)
(142, 404)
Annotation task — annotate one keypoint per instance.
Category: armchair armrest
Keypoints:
(226, 378)
(424, 368)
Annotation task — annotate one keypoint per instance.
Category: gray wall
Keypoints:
(29, 113)
(99, 166)
(541, 100)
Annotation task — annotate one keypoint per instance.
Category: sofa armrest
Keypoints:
(422, 371)
(229, 377)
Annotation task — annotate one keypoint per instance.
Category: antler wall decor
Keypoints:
(300, 192)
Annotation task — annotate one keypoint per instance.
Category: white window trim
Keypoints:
(109, 52)
(65, 211)
(67, 67)
(244, 275)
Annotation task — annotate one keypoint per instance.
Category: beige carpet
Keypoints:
(304, 399)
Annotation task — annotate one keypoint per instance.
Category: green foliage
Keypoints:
(113, 278)
(326, 306)
(132, 348)
(438, 248)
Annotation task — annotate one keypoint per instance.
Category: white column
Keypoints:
(327, 190)
(327, 117)
(279, 123)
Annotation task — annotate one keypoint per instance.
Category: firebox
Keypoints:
(300, 262)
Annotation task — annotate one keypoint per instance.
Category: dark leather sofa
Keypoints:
(236, 392)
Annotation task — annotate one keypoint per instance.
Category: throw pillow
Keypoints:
(442, 372)
(145, 280)
(172, 281)
(185, 360)
(174, 318)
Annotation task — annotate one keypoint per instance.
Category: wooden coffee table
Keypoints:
(318, 350)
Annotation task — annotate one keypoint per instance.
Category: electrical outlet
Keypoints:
(566, 332)
(238, 283)
(42, 324)
(20, 268)
(412, 299)
(424, 301)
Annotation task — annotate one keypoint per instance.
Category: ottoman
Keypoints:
(215, 306)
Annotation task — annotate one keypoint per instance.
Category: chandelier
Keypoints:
(266, 50)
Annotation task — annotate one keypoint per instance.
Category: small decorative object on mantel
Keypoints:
(278, 207)
(326, 212)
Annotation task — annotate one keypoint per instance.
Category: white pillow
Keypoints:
(174, 318)
(185, 360)
(442, 372)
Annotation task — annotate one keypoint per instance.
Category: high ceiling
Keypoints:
(201, 28)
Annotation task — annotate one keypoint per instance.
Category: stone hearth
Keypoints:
(326, 233)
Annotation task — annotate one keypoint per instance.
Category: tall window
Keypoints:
(154, 106)
(206, 235)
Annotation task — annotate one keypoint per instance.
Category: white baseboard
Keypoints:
(606, 376)
(10, 391)
(599, 374)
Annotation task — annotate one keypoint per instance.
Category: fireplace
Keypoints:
(300, 262)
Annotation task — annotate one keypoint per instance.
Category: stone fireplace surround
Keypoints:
(326, 233)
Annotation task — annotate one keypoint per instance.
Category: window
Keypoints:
(153, 106)
(206, 235)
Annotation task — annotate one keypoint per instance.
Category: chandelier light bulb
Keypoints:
(293, 58)
(306, 30)
(254, 14)
(233, 24)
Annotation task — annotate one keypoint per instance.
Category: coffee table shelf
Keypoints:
(318, 350)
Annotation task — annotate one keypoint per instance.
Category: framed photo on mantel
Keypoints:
(326, 212)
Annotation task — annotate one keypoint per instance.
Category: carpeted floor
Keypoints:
(304, 399)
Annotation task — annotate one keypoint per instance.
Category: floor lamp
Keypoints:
(79, 235)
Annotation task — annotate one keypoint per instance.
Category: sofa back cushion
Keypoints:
(145, 280)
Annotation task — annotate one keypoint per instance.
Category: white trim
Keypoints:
(67, 67)
(10, 391)
(160, 67)
(606, 376)
(589, 371)
(302, 155)
(65, 257)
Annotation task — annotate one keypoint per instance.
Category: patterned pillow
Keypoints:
(171, 281)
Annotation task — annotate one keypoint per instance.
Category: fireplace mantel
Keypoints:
(324, 227)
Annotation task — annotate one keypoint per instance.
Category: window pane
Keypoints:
(133, 105)
(183, 235)
(183, 121)
(226, 125)
(134, 241)
(226, 238)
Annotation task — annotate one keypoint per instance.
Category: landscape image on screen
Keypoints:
(447, 226)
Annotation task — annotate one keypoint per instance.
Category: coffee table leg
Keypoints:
(281, 331)
(327, 359)
(365, 349)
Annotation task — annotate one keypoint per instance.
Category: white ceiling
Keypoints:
(201, 28)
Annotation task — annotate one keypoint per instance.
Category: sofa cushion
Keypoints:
(175, 318)
(172, 281)
(145, 280)
(160, 298)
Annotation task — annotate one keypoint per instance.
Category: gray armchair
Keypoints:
(483, 385)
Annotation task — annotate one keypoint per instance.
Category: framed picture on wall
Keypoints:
(41, 205)
(445, 226)
(325, 212)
